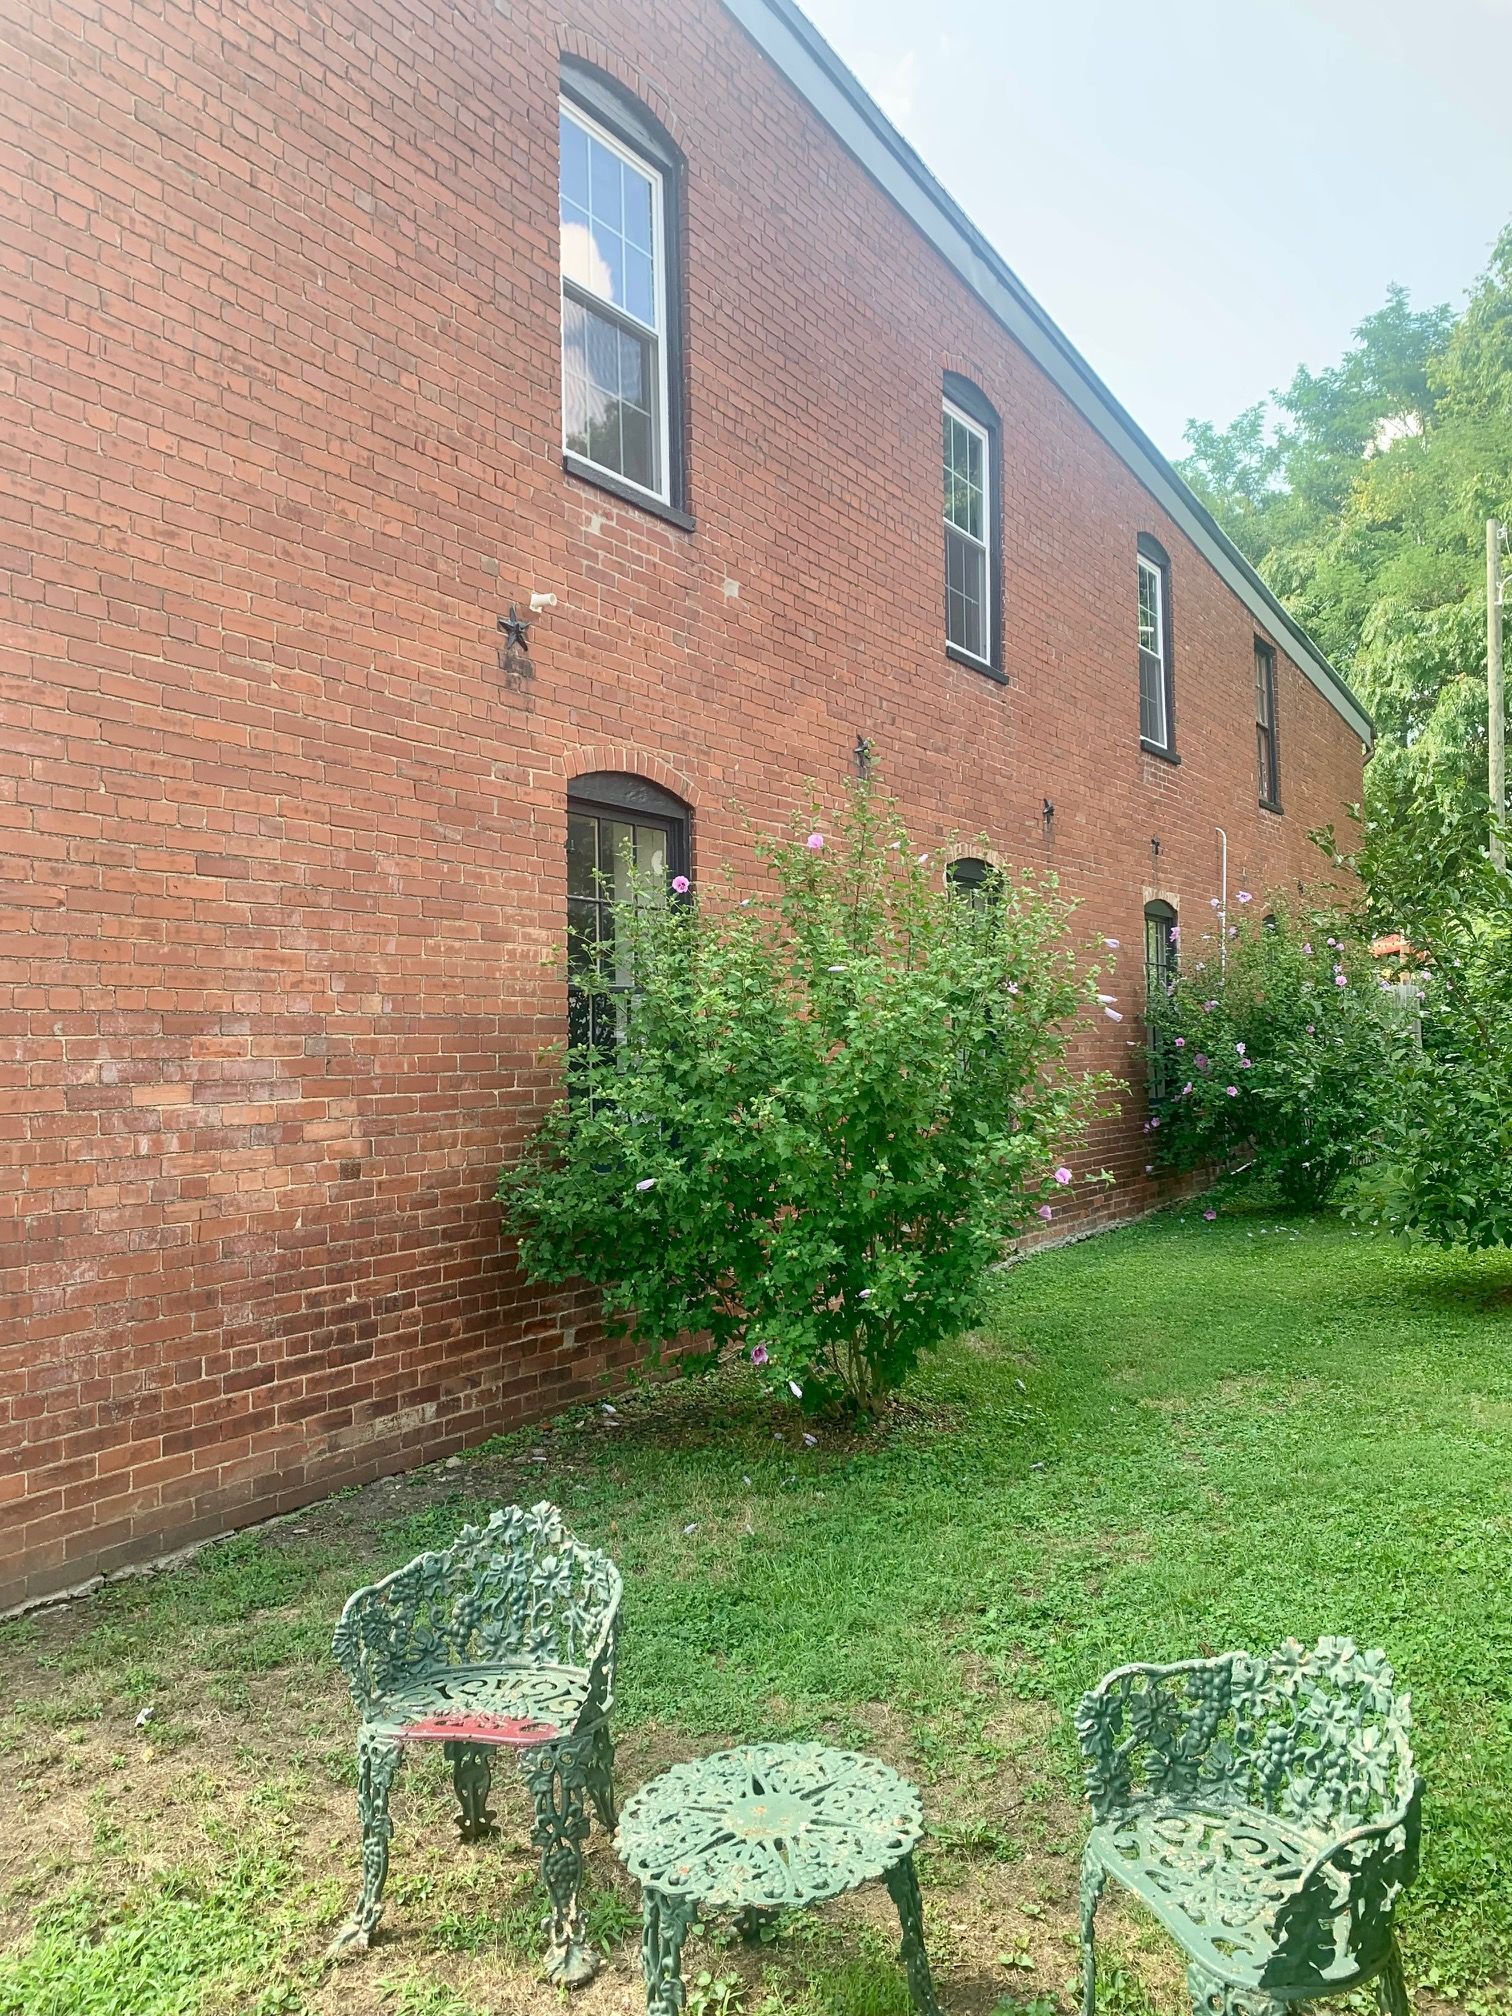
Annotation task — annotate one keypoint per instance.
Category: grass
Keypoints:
(1171, 1440)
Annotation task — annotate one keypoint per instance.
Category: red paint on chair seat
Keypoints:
(478, 1726)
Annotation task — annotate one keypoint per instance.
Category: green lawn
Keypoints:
(1167, 1441)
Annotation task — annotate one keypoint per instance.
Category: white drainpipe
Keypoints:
(1222, 900)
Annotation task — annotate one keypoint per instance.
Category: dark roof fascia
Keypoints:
(797, 49)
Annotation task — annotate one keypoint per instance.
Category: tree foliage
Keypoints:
(1361, 494)
(835, 1098)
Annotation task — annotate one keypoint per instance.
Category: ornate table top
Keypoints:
(770, 1825)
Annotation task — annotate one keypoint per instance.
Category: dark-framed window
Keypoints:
(1162, 964)
(971, 441)
(976, 881)
(623, 834)
(1265, 726)
(1157, 697)
(621, 184)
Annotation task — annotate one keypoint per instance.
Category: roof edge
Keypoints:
(799, 51)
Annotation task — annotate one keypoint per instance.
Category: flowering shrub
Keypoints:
(1445, 1169)
(831, 1106)
(1272, 1052)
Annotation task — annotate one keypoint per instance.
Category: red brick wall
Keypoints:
(283, 850)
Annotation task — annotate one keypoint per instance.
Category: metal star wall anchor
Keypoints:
(517, 665)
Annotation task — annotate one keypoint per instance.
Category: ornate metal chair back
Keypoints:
(518, 1589)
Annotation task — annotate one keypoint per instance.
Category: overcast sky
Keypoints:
(1205, 193)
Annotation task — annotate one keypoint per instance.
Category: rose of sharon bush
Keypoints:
(1290, 1050)
(845, 1091)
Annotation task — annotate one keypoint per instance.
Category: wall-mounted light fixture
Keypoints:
(1049, 814)
(863, 756)
(1155, 848)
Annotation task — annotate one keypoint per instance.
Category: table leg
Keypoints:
(903, 1886)
(665, 1922)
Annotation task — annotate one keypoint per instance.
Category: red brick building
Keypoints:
(302, 306)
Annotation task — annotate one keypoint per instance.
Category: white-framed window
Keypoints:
(614, 306)
(968, 533)
(1154, 716)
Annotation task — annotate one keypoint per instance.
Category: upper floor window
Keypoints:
(625, 837)
(973, 536)
(1156, 727)
(620, 313)
(1265, 725)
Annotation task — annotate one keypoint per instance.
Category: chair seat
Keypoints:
(1215, 1874)
(518, 1705)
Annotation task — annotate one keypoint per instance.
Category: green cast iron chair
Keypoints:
(1266, 1810)
(506, 1640)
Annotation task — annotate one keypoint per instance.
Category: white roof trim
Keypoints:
(813, 69)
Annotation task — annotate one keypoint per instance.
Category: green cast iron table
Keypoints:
(751, 1832)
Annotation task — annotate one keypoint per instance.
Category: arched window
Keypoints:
(622, 367)
(973, 439)
(1157, 699)
(978, 882)
(623, 834)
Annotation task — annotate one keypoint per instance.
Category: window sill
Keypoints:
(1272, 805)
(959, 657)
(1159, 749)
(605, 479)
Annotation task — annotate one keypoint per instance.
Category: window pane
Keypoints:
(582, 855)
(965, 594)
(604, 184)
(1152, 714)
(574, 163)
(1151, 613)
(611, 395)
(582, 934)
(640, 286)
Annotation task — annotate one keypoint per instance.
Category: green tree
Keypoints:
(1361, 494)
(833, 1102)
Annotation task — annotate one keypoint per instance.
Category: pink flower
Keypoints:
(680, 885)
(1341, 979)
(1238, 1049)
(758, 1354)
(1214, 904)
(1063, 1176)
(1243, 896)
(1046, 1213)
(1175, 934)
(1307, 951)
(1200, 1061)
(1246, 1063)
(1181, 1042)
(1311, 1030)
(1186, 1089)
(1232, 1091)
(646, 1183)
(1208, 1007)
(1111, 943)
(814, 842)
(1149, 1168)
(1112, 1014)
(1210, 1216)
(795, 1389)
(1156, 1121)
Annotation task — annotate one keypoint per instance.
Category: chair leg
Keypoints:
(601, 1778)
(557, 1775)
(377, 1767)
(903, 1886)
(1093, 1879)
(472, 1777)
(1391, 1985)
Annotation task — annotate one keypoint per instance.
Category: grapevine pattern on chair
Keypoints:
(1267, 1809)
(506, 1639)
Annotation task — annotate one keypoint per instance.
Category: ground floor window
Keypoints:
(623, 834)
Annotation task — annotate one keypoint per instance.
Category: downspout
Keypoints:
(1222, 900)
